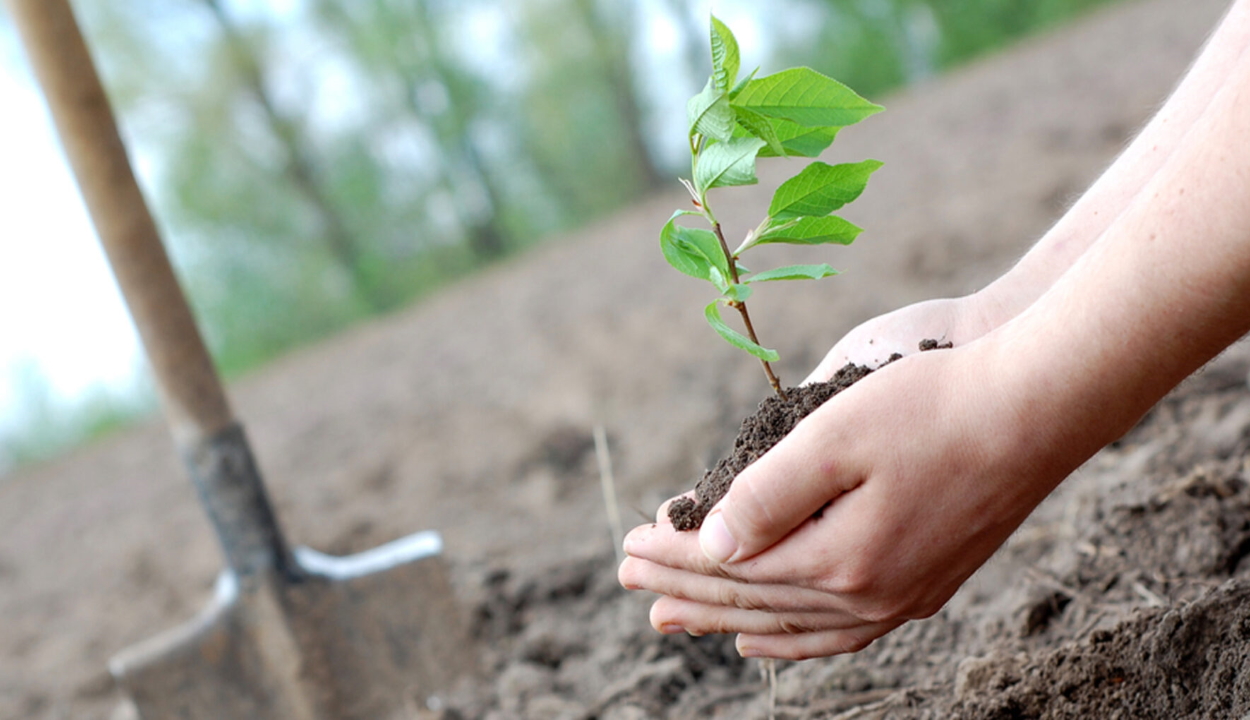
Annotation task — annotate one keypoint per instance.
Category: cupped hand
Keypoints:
(873, 511)
(955, 320)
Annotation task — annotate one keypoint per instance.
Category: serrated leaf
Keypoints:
(719, 279)
(693, 251)
(725, 58)
(796, 140)
(735, 338)
(801, 141)
(805, 97)
(727, 164)
(742, 84)
(793, 272)
(739, 292)
(710, 114)
(761, 127)
(820, 188)
(828, 230)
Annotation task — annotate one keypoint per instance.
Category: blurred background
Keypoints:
(314, 163)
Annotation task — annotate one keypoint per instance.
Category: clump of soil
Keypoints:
(774, 419)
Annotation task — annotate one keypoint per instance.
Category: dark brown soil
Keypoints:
(1126, 596)
(759, 432)
(763, 429)
(473, 413)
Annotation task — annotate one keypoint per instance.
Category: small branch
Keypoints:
(742, 310)
(609, 491)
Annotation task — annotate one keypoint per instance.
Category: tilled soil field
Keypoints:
(1124, 596)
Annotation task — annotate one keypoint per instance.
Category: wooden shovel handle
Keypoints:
(192, 394)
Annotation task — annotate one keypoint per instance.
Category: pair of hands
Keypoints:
(926, 466)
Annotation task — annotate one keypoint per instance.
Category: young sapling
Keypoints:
(732, 123)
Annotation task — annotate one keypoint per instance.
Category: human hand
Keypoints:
(957, 320)
(925, 466)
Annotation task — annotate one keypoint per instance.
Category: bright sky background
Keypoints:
(60, 311)
(59, 307)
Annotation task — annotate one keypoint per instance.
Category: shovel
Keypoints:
(289, 633)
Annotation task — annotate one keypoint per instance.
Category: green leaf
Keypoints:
(710, 114)
(719, 279)
(725, 164)
(735, 338)
(828, 230)
(820, 188)
(742, 84)
(793, 272)
(739, 292)
(725, 58)
(693, 251)
(795, 140)
(805, 97)
(799, 140)
(761, 127)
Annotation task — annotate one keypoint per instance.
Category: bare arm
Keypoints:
(1099, 207)
(962, 320)
(931, 463)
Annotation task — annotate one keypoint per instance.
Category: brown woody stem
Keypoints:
(741, 307)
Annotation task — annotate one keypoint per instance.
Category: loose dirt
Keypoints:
(759, 432)
(1125, 595)
(763, 429)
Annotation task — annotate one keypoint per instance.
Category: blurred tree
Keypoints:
(875, 45)
(398, 43)
(568, 105)
(693, 36)
(612, 28)
(299, 165)
(972, 28)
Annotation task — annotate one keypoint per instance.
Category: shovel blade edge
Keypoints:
(370, 645)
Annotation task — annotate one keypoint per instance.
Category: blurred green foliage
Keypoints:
(316, 162)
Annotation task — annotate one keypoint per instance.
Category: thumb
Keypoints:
(774, 495)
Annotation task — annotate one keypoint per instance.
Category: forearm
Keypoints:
(1107, 199)
(1163, 290)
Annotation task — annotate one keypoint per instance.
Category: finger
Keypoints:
(814, 644)
(661, 514)
(697, 618)
(816, 550)
(833, 360)
(781, 490)
(636, 574)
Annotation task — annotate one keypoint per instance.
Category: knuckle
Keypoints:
(795, 626)
(752, 509)
(855, 644)
(925, 609)
(627, 574)
(730, 595)
(854, 580)
(881, 611)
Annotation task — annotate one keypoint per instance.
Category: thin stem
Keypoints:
(742, 310)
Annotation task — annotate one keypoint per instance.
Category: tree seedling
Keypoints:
(733, 123)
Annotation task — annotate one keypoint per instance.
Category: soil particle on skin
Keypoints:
(774, 419)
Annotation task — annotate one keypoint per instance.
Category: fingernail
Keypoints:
(718, 545)
(749, 652)
(672, 629)
(634, 540)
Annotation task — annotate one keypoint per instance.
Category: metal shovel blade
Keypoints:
(298, 634)
(289, 635)
(372, 635)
